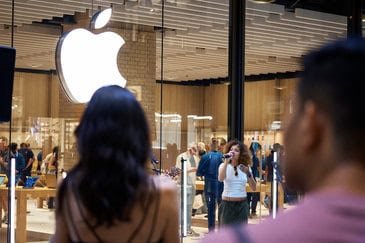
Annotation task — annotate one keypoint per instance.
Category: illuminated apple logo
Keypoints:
(86, 61)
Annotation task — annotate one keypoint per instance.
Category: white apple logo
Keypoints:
(87, 61)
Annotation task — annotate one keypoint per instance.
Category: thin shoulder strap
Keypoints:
(72, 222)
(91, 228)
(155, 213)
(71, 219)
(145, 209)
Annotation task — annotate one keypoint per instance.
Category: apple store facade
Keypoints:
(201, 69)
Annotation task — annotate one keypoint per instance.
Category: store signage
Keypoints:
(87, 61)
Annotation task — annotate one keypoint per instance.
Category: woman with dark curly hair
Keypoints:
(109, 196)
(235, 172)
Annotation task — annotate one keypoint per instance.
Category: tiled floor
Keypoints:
(41, 222)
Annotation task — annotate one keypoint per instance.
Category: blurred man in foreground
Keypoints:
(324, 157)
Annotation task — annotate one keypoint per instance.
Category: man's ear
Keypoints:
(312, 126)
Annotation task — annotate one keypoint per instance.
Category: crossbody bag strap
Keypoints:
(156, 211)
(146, 210)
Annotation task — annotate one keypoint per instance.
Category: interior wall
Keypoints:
(215, 105)
(34, 91)
(265, 102)
(42, 96)
(182, 100)
(261, 104)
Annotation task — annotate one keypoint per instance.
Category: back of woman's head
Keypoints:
(114, 144)
(113, 130)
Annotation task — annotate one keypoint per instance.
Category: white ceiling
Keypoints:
(196, 43)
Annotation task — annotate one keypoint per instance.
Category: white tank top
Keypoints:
(234, 186)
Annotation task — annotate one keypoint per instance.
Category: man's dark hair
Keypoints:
(334, 79)
(13, 147)
(214, 144)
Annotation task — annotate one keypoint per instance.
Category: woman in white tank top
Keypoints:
(235, 172)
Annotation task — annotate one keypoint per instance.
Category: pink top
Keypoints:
(326, 217)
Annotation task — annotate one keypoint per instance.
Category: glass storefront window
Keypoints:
(175, 61)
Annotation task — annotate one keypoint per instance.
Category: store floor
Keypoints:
(40, 224)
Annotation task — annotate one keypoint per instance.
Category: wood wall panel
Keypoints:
(34, 89)
(287, 96)
(265, 102)
(215, 105)
(55, 86)
(260, 100)
(30, 98)
(182, 100)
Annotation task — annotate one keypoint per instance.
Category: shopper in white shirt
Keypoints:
(191, 161)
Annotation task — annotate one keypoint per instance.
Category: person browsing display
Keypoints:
(235, 172)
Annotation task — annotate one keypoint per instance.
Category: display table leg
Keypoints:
(21, 219)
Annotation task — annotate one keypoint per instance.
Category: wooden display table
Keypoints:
(22, 195)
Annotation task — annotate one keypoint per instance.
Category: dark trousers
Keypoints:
(25, 173)
(212, 199)
(252, 199)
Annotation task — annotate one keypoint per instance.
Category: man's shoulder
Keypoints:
(30, 152)
(312, 219)
(216, 155)
(308, 221)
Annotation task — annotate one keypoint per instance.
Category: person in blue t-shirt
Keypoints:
(19, 159)
(208, 167)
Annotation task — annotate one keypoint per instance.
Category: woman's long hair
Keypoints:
(114, 145)
(245, 156)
